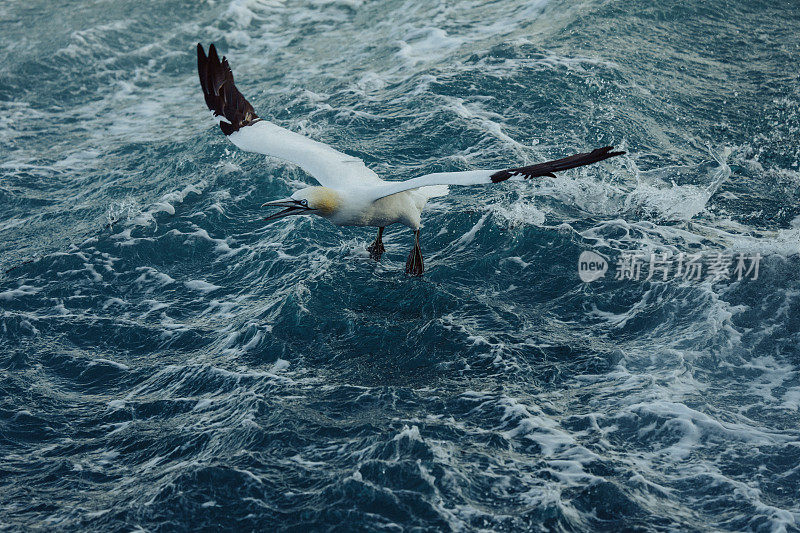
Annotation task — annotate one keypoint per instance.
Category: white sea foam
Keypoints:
(22, 290)
(411, 433)
(201, 286)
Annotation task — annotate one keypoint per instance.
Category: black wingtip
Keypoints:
(499, 176)
(221, 95)
(212, 53)
(566, 163)
(201, 55)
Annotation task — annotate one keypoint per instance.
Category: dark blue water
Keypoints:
(190, 368)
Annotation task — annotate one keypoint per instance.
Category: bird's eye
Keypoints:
(304, 202)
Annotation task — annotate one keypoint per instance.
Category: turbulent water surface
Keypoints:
(169, 362)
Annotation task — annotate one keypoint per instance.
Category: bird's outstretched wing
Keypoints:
(485, 177)
(250, 133)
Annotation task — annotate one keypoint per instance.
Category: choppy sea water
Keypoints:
(188, 367)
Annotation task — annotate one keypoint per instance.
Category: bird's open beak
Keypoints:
(293, 207)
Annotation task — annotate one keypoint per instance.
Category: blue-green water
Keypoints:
(191, 368)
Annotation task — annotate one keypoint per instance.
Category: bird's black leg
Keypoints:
(414, 262)
(376, 249)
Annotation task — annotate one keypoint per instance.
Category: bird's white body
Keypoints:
(356, 207)
(358, 210)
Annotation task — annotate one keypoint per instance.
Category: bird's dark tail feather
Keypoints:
(547, 169)
(222, 96)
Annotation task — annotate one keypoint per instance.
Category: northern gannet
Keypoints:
(350, 194)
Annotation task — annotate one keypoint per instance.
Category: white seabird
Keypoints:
(350, 193)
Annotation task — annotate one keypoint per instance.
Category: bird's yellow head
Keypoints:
(320, 201)
(323, 200)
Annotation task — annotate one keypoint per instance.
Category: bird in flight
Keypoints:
(350, 194)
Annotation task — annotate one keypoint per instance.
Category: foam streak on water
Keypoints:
(170, 363)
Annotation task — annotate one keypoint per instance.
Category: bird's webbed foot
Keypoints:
(376, 249)
(414, 265)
